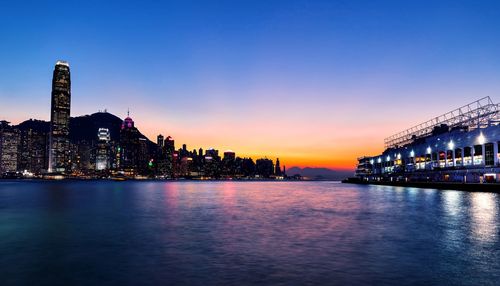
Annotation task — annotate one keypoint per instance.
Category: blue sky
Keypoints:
(326, 72)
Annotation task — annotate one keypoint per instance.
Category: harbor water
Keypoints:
(245, 233)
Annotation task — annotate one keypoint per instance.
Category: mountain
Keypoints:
(37, 125)
(320, 173)
(83, 127)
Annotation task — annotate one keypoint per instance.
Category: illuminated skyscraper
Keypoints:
(9, 141)
(59, 118)
(130, 147)
(169, 153)
(102, 156)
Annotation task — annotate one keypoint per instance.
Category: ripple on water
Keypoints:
(249, 233)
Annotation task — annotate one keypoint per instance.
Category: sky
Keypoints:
(315, 83)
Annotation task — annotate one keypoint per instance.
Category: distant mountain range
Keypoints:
(320, 173)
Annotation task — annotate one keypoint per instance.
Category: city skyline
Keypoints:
(300, 80)
(223, 142)
(104, 146)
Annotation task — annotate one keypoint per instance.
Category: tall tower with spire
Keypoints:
(277, 168)
(129, 146)
(59, 119)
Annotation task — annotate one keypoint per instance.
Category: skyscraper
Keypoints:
(229, 155)
(277, 168)
(9, 141)
(130, 147)
(264, 167)
(59, 118)
(102, 156)
(32, 151)
(160, 140)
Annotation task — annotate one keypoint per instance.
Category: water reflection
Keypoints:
(484, 216)
(453, 202)
(252, 233)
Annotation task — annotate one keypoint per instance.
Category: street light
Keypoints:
(451, 145)
(481, 139)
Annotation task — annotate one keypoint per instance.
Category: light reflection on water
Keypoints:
(249, 233)
(453, 202)
(485, 218)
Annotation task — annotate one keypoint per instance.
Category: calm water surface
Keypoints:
(245, 233)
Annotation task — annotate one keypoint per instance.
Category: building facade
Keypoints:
(59, 146)
(459, 146)
(129, 147)
(264, 167)
(103, 150)
(32, 156)
(9, 143)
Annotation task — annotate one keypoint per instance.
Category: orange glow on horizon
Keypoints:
(342, 154)
(301, 146)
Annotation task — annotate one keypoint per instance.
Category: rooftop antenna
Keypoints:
(128, 112)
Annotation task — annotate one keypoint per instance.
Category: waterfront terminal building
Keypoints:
(459, 146)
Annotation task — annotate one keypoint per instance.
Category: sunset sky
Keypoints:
(315, 83)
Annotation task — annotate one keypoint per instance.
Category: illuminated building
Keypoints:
(145, 164)
(169, 153)
(9, 141)
(459, 146)
(103, 150)
(164, 157)
(212, 164)
(59, 119)
(32, 151)
(129, 147)
(83, 156)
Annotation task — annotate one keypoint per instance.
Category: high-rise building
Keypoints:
(277, 168)
(160, 140)
(163, 161)
(103, 156)
(248, 167)
(212, 153)
(32, 151)
(229, 155)
(169, 153)
(228, 163)
(130, 147)
(264, 167)
(144, 162)
(59, 119)
(9, 142)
